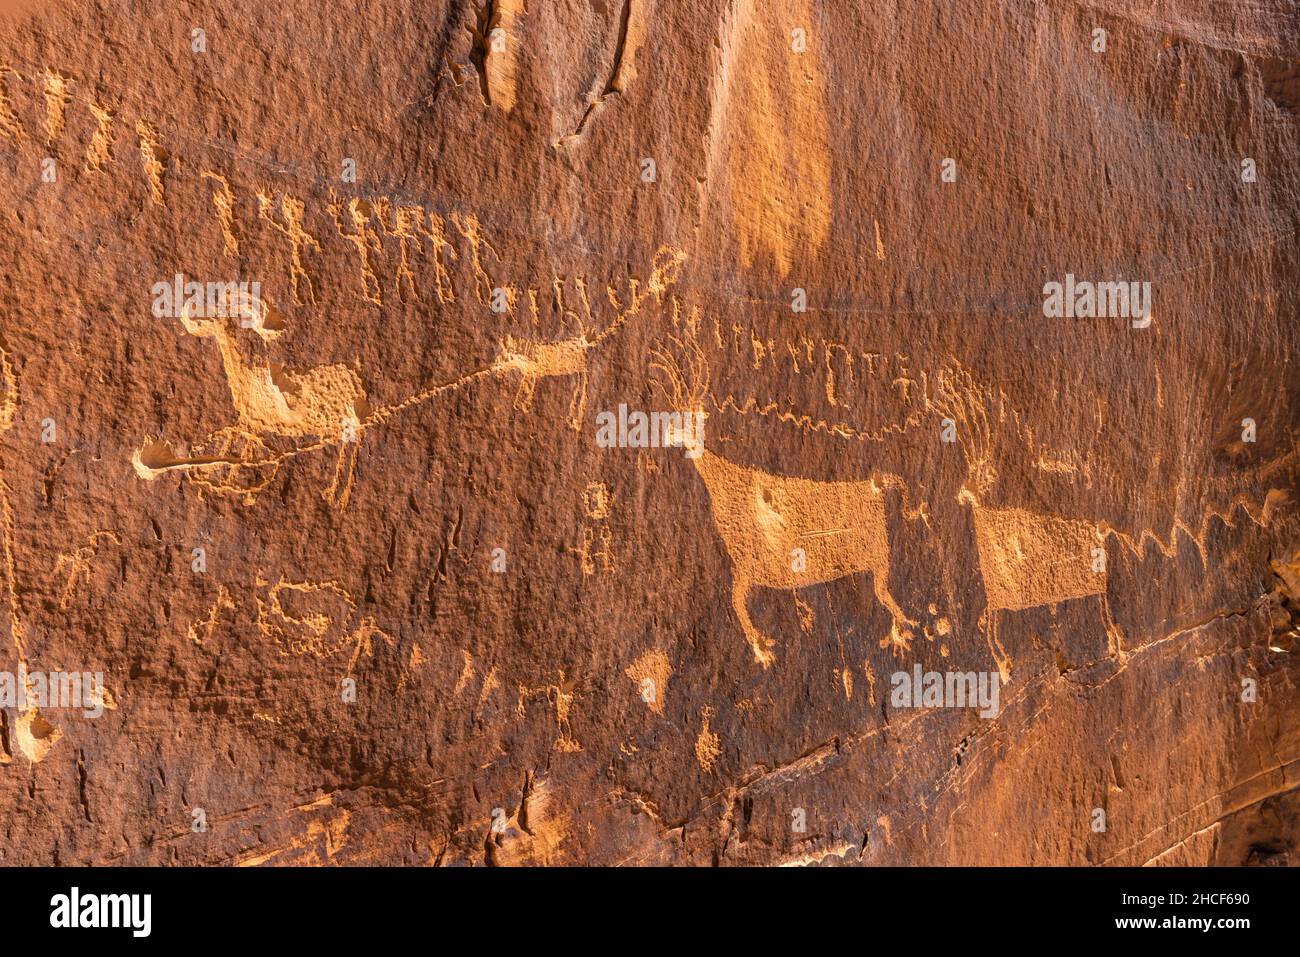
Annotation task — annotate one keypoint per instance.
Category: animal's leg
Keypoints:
(880, 585)
(1114, 636)
(757, 641)
(578, 404)
(334, 494)
(363, 641)
(524, 395)
(989, 625)
(352, 473)
(332, 490)
(807, 618)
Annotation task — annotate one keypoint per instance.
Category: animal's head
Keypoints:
(228, 308)
(982, 477)
(680, 374)
(664, 270)
(512, 353)
(965, 405)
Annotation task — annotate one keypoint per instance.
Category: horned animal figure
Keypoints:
(535, 360)
(326, 403)
(1027, 559)
(781, 531)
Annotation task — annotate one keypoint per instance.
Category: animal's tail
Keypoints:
(920, 510)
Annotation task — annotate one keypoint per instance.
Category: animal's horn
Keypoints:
(666, 363)
(203, 328)
(664, 269)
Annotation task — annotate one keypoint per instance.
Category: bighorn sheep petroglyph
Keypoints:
(1027, 559)
(535, 360)
(782, 531)
(326, 403)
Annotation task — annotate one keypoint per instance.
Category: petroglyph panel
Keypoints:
(304, 349)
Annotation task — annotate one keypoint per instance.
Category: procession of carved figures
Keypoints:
(780, 530)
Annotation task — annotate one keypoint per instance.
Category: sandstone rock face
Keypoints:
(379, 562)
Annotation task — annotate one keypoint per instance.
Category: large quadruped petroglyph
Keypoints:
(533, 433)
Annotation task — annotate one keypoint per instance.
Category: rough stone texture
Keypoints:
(520, 697)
